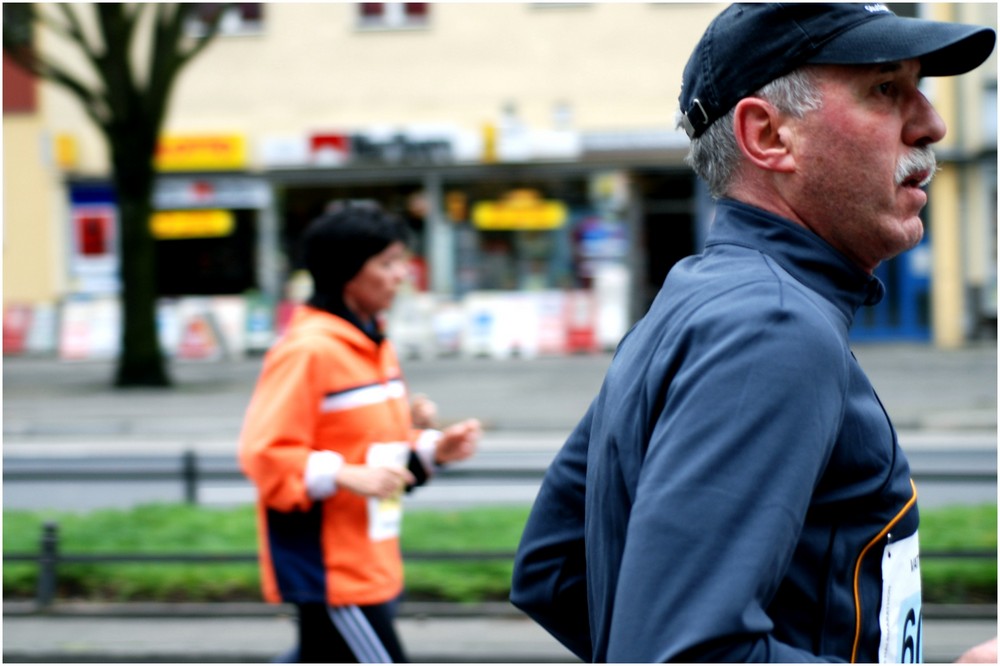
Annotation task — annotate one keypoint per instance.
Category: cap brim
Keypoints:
(944, 49)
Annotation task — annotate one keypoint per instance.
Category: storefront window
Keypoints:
(525, 238)
(530, 235)
(195, 258)
(520, 261)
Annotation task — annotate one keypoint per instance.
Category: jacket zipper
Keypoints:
(884, 533)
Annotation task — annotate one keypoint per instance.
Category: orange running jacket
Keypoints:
(326, 386)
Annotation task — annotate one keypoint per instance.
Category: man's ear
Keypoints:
(763, 135)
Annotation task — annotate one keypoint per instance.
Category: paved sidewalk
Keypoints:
(260, 637)
(922, 388)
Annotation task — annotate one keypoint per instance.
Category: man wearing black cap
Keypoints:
(736, 491)
(330, 443)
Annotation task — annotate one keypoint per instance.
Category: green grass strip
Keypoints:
(157, 529)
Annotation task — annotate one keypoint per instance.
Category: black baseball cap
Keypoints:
(749, 45)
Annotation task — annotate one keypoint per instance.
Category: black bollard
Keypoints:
(48, 560)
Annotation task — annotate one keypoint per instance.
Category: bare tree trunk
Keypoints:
(141, 361)
(130, 113)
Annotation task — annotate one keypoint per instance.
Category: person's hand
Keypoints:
(984, 653)
(458, 442)
(423, 411)
(380, 482)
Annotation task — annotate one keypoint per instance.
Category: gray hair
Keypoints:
(714, 155)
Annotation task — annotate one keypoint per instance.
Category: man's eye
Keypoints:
(887, 88)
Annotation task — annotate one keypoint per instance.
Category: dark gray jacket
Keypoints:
(732, 490)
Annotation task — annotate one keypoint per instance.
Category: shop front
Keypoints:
(509, 259)
(214, 240)
(524, 243)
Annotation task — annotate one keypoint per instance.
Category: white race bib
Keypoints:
(900, 617)
(385, 516)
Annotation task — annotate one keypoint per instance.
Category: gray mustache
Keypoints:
(917, 161)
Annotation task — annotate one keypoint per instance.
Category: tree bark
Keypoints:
(141, 361)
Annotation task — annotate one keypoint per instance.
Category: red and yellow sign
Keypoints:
(207, 152)
(178, 224)
(519, 210)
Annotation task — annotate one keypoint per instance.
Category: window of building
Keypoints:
(19, 86)
(210, 263)
(393, 15)
(241, 18)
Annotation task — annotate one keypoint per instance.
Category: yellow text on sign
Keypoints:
(210, 152)
(178, 224)
(519, 210)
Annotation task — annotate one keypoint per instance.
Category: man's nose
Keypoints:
(925, 126)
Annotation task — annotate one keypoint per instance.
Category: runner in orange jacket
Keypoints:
(328, 440)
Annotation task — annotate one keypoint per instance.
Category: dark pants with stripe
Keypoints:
(349, 634)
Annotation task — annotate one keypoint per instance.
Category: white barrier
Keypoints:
(494, 324)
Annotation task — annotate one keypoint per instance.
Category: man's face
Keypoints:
(848, 152)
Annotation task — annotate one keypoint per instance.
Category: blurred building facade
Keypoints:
(531, 147)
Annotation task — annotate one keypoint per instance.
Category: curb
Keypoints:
(236, 609)
(81, 632)
(407, 609)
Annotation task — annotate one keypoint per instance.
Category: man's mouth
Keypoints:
(918, 179)
(916, 168)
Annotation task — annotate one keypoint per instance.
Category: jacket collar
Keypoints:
(307, 317)
(336, 307)
(807, 257)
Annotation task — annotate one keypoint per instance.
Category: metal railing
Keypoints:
(191, 471)
(49, 558)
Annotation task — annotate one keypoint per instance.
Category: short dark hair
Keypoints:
(338, 243)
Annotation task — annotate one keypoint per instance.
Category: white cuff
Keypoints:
(322, 468)
(427, 448)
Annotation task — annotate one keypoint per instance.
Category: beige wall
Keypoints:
(32, 241)
(618, 65)
(61, 110)
(967, 132)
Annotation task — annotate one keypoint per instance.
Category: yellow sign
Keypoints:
(209, 152)
(489, 143)
(519, 210)
(177, 224)
(67, 152)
